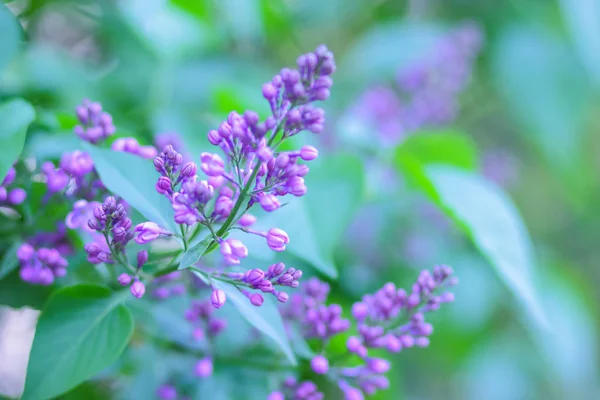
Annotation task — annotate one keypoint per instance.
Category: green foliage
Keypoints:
(194, 253)
(9, 37)
(82, 330)
(15, 117)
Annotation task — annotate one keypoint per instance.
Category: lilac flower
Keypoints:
(218, 298)
(147, 232)
(131, 145)
(96, 125)
(204, 367)
(41, 266)
(233, 250)
(138, 289)
(166, 392)
(305, 390)
(277, 239)
(56, 180)
(80, 215)
(319, 364)
(111, 221)
(124, 279)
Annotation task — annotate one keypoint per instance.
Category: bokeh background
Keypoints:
(519, 80)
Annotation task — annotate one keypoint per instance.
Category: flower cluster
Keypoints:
(41, 266)
(293, 389)
(114, 227)
(132, 146)
(96, 125)
(12, 197)
(427, 91)
(390, 319)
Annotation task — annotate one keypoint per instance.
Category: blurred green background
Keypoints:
(530, 110)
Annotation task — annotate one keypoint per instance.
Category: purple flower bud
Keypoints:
(394, 345)
(255, 276)
(247, 220)
(124, 280)
(295, 185)
(360, 311)
(204, 368)
(447, 297)
(265, 286)
(159, 164)
(198, 334)
(10, 177)
(257, 299)
(319, 365)
(268, 202)
(269, 91)
(17, 196)
(188, 170)
(282, 297)
(142, 257)
(163, 185)
(147, 232)
(3, 194)
(218, 298)
(351, 393)
(25, 252)
(138, 289)
(213, 137)
(353, 344)
(308, 153)
(212, 164)
(166, 392)
(378, 365)
(232, 250)
(276, 396)
(277, 239)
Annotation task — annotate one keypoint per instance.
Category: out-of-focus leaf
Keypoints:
(583, 20)
(443, 147)
(134, 179)
(9, 260)
(82, 330)
(334, 183)
(44, 145)
(15, 117)
(545, 88)
(167, 29)
(265, 318)
(16, 293)
(195, 252)
(242, 17)
(9, 36)
(492, 221)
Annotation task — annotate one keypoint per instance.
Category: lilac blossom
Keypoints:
(132, 146)
(95, 124)
(41, 266)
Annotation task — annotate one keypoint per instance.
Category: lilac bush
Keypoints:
(250, 170)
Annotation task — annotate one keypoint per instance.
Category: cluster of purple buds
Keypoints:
(111, 221)
(96, 125)
(12, 197)
(294, 390)
(57, 239)
(205, 324)
(82, 212)
(317, 319)
(162, 140)
(75, 176)
(168, 286)
(428, 89)
(41, 266)
(132, 146)
(136, 286)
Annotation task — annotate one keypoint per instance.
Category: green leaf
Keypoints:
(443, 147)
(16, 294)
(545, 88)
(583, 21)
(134, 179)
(9, 260)
(494, 225)
(195, 252)
(82, 330)
(9, 36)
(265, 318)
(316, 222)
(15, 117)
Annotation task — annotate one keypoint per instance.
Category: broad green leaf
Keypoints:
(545, 88)
(133, 178)
(15, 117)
(265, 318)
(82, 330)
(16, 294)
(492, 221)
(583, 21)
(443, 147)
(195, 252)
(316, 221)
(9, 261)
(9, 36)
